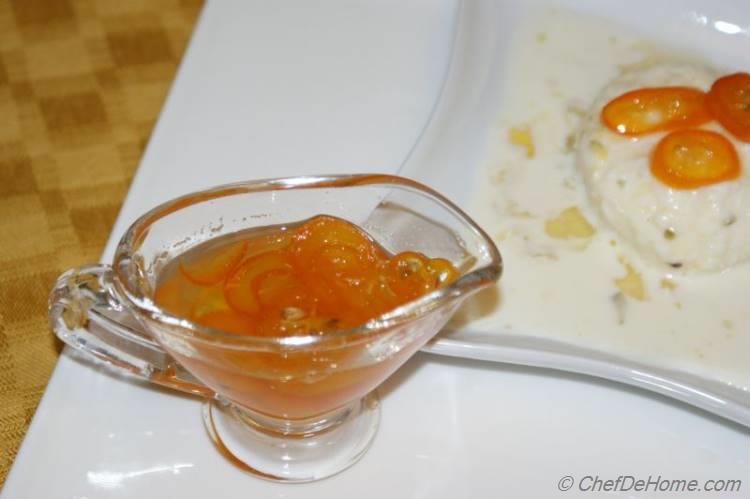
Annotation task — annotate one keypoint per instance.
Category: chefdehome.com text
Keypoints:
(650, 483)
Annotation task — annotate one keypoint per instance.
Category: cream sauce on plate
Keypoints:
(566, 288)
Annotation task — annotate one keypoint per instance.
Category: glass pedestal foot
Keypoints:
(293, 451)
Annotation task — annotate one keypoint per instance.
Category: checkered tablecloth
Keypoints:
(81, 85)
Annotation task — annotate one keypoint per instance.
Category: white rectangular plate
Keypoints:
(296, 87)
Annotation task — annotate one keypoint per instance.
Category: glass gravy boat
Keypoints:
(293, 408)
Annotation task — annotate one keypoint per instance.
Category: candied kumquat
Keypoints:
(441, 271)
(216, 266)
(320, 275)
(647, 110)
(408, 275)
(324, 231)
(279, 286)
(729, 102)
(688, 159)
(240, 289)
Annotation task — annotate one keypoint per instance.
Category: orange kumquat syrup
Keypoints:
(321, 275)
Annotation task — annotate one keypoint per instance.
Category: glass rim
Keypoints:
(412, 310)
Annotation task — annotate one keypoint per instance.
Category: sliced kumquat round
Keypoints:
(688, 159)
(339, 261)
(729, 102)
(339, 279)
(277, 240)
(322, 231)
(408, 275)
(326, 301)
(359, 295)
(211, 310)
(214, 265)
(239, 289)
(381, 297)
(281, 290)
(177, 293)
(652, 109)
(442, 272)
(210, 299)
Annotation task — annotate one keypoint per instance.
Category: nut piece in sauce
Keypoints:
(668, 283)
(570, 223)
(522, 137)
(631, 283)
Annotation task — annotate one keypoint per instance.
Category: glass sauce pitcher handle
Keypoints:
(86, 314)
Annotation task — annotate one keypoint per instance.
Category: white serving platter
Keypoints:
(293, 87)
